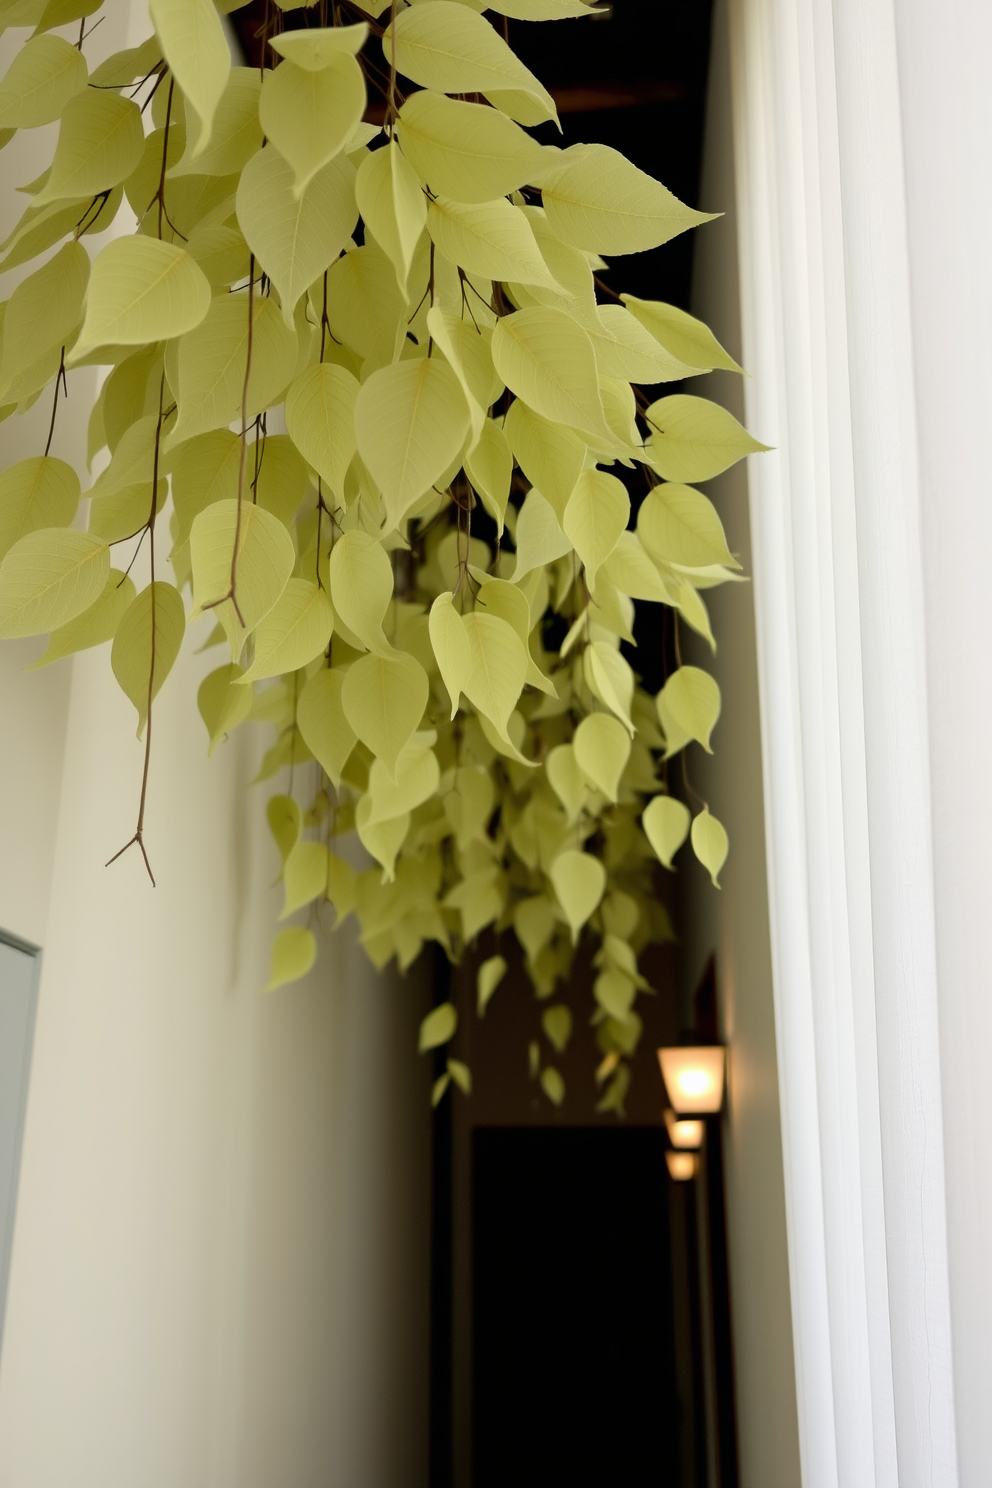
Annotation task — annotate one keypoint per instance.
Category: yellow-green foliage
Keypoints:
(420, 306)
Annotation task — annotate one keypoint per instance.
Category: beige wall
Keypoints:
(734, 922)
(220, 1266)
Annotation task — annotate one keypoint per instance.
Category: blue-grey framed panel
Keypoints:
(20, 964)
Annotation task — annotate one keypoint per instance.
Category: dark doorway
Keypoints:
(573, 1339)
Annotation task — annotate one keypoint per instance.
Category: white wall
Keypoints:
(733, 922)
(220, 1269)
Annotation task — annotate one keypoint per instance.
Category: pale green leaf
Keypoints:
(221, 253)
(295, 236)
(43, 311)
(467, 151)
(677, 524)
(710, 843)
(417, 776)
(676, 737)
(384, 698)
(304, 875)
(682, 336)
(284, 818)
(493, 239)
(124, 513)
(392, 204)
(438, 1027)
(235, 134)
(382, 839)
(579, 881)
(596, 199)
(550, 455)
(596, 515)
(320, 417)
(212, 360)
(693, 439)
(602, 749)
(313, 50)
(692, 701)
(38, 492)
(549, 362)
(490, 469)
(63, 13)
(542, 10)
(48, 578)
(632, 572)
(309, 116)
(128, 66)
(540, 539)
(364, 305)
(294, 952)
(133, 461)
(296, 629)
(468, 353)
(100, 143)
(223, 704)
(142, 290)
(362, 586)
(461, 1075)
(666, 826)
(497, 668)
(488, 978)
(693, 611)
(46, 72)
(204, 470)
(321, 719)
(411, 421)
(557, 1024)
(452, 648)
(567, 780)
(279, 476)
(552, 1084)
(610, 678)
(147, 643)
(453, 50)
(442, 1082)
(625, 349)
(615, 994)
(265, 559)
(198, 55)
(94, 626)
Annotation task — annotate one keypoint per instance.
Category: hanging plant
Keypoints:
(423, 584)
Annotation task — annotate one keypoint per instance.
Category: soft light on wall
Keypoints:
(681, 1165)
(685, 1135)
(694, 1078)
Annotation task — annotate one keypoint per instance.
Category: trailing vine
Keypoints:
(427, 584)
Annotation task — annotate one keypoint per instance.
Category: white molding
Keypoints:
(839, 601)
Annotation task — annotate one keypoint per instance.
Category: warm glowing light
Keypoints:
(687, 1135)
(694, 1078)
(681, 1165)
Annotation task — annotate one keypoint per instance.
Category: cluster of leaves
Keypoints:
(420, 307)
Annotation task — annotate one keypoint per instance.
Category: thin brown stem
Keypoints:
(59, 377)
(139, 831)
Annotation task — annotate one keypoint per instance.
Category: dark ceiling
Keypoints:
(633, 77)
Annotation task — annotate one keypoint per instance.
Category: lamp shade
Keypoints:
(694, 1078)
(685, 1135)
(681, 1165)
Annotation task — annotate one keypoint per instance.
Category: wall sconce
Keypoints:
(694, 1078)
(682, 1165)
(687, 1136)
